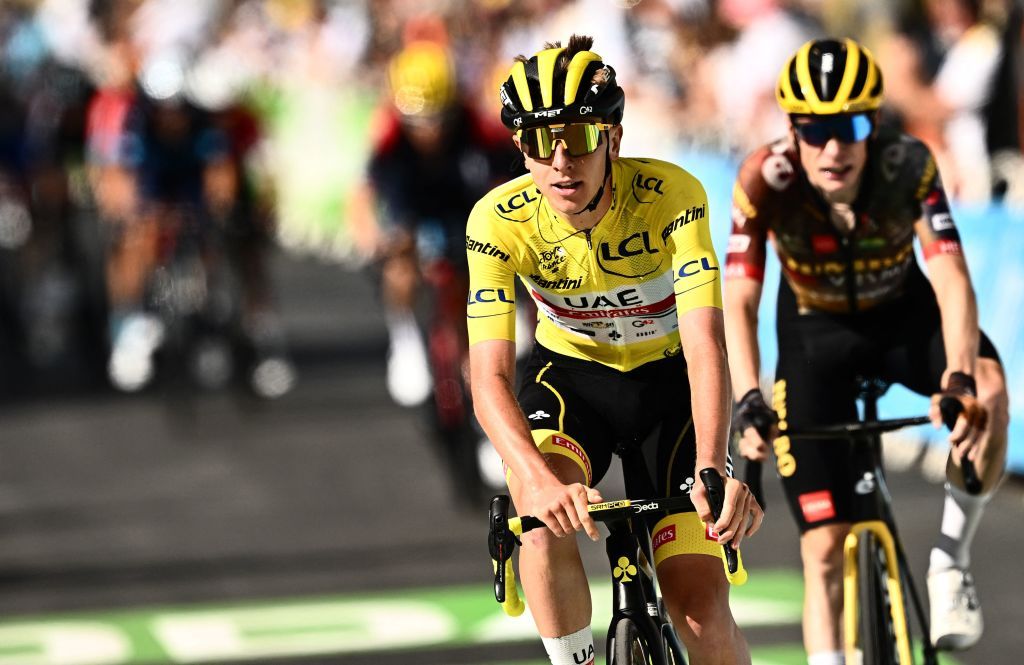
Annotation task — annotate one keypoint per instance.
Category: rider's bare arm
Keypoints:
(742, 298)
(952, 284)
(563, 508)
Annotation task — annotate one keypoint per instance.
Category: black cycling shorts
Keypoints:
(821, 359)
(600, 409)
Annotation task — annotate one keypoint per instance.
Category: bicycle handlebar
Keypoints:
(505, 531)
(951, 409)
(949, 406)
(716, 498)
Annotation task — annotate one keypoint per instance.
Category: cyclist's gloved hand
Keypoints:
(756, 422)
(973, 419)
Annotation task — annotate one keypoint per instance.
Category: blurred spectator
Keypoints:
(948, 77)
(745, 70)
(50, 312)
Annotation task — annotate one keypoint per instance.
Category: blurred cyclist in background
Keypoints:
(165, 172)
(842, 200)
(435, 156)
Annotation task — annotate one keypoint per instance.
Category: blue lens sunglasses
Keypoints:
(852, 128)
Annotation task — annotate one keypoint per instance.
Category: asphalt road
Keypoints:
(129, 527)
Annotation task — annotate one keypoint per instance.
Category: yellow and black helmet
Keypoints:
(422, 78)
(543, 91)
(828, 77)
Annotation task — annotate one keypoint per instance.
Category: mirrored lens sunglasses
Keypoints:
(578, 139)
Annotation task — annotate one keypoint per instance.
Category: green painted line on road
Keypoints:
(406, 620)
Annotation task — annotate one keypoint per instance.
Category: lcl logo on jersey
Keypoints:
(638, 243)
(650, 184)
(489, 295)
(517, 201)
(691, 268)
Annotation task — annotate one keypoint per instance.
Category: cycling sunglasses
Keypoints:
(845, 128)
(578, 139)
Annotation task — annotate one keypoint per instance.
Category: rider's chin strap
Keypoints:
(590, 207)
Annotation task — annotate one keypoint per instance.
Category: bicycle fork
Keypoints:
(851, 584)
(633, 590)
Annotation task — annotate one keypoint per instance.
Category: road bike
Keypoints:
(876, 577)
(640, 632)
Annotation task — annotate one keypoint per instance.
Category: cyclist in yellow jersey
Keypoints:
(617, 255)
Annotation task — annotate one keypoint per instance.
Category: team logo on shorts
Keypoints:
(540, 414)
(817, 506)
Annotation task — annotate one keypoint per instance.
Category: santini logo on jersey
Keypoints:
(557, 284)
(692, 214)
(485, 248)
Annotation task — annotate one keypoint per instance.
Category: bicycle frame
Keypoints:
(894, 586)
(634, 590)
(876, 505)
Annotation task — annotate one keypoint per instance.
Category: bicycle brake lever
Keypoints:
(951, 408)
(716, 497)
(500, 542)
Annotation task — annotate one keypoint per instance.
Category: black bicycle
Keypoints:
(876, 577)
(640, 632)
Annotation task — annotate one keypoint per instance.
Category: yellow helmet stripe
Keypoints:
(803, 74)
(575, 74)
(546, 73)
(785, 83)
(872, 80)
(842, 97)
(522, 86)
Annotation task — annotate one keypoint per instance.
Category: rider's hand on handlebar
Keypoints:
(973, 420)
(757, 424)
(563, 508)
(741, 514)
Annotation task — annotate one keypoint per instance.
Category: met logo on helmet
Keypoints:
(549, 113)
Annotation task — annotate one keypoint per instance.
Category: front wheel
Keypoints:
(877, 638)
(630, 647)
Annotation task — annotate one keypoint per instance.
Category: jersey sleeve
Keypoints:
(491, 307)
(745, 253)
(935, 229)
(695, 270)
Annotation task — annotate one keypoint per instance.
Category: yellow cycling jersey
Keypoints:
(610, 294)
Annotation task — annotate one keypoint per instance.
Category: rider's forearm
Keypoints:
(741, 338)
(959, 309)
(708, 372)
(499, 414)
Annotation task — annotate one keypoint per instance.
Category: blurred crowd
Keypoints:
(125, 123)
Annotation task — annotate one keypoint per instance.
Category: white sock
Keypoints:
(826, 658)
(961, 513)
(402, 326)
(575, 649)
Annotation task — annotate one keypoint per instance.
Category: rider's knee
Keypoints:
(822, 549)
(707, 616)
